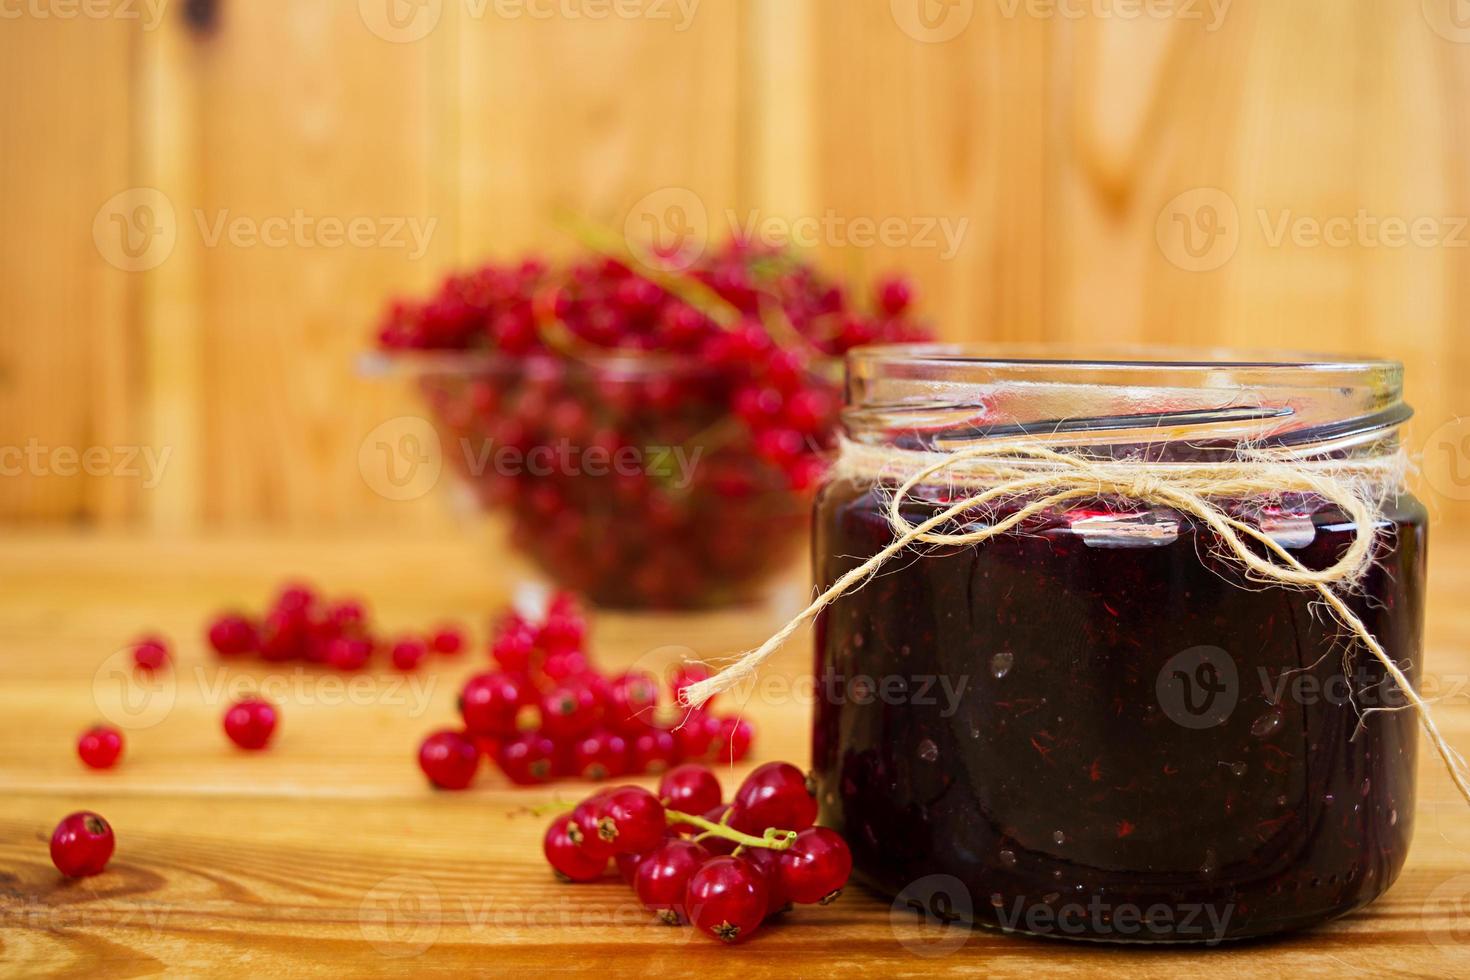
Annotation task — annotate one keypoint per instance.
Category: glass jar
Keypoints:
(1095, 727)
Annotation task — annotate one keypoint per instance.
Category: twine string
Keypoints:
(1021, 481)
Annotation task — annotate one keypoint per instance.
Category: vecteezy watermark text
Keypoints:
(145, 463)
(1097, 917)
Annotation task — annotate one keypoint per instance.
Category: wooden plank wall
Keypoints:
(1038, 161)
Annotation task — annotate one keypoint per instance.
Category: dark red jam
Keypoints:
(1096, 729)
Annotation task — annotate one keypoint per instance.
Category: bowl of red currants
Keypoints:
(652, 435)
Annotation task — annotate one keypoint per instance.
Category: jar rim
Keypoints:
(1114, 356)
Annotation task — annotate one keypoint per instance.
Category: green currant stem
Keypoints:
(774, 838)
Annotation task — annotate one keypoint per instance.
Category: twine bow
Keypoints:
(1020, 481)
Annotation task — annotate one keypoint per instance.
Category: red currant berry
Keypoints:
(630, 818)
(447, 640)
(449, 759)
(490, 702)
(628, 865)
(409, 652)
(81, 845)
(894, 295)
(150, 653)
(631, 700)
(100, 746)
(349, 652)
(816, 865)
(767, 861)
(600, 754)
(732, 742)
(726, 898)
(347, 616)
(721, 814)
(653, 751)
(662, 878)
(569, 710)
(563, 632)
(251, 723)
(231, 635)
(514, 644)
(697, 736)
(527, 759)
(689, 789)
(774, 795)
(566, 857)
(566, 666)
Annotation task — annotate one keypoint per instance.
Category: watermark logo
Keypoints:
(401, 916)
(1199, 230)
(932, 21)
(401, 459)
(401, 21)
(668, 228)
(1450, 19)
(931, 916)
(1446, 459)
(131, 698)
(135, 230)
(1198, 687)
(1445, 915)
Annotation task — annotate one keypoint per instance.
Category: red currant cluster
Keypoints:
(301, 625)
(690, 857)
(546, 712)
(731, 362)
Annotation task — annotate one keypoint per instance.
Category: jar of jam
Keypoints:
(1096, 725)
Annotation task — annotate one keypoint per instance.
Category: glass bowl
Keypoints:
(628, 478)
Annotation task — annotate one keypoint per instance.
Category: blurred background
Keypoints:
(208, 203)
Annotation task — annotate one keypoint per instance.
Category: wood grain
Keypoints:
(328, 856)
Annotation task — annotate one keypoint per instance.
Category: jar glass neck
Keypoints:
(939, 398)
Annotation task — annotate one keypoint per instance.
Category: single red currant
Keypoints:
(599, 754)
(449, 759)
(490, 702)
(527, 759)
(232, 635)
(662, 878)
(251, 723)
(447, 639)
(150, 653)
(566, 857)
(82, 844)
(689, 788)
(409, 652)
(631, 700)
(630, 818)
(767, 861)
(653, 751)
(732, 743)
(100, 746)
(349, 652)
(628, 865)
(726, 898)
(816, 865)
(514, 644)
(569, 710)
(774, 795)
(696, 736)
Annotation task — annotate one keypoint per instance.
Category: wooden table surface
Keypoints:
(329, 855)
